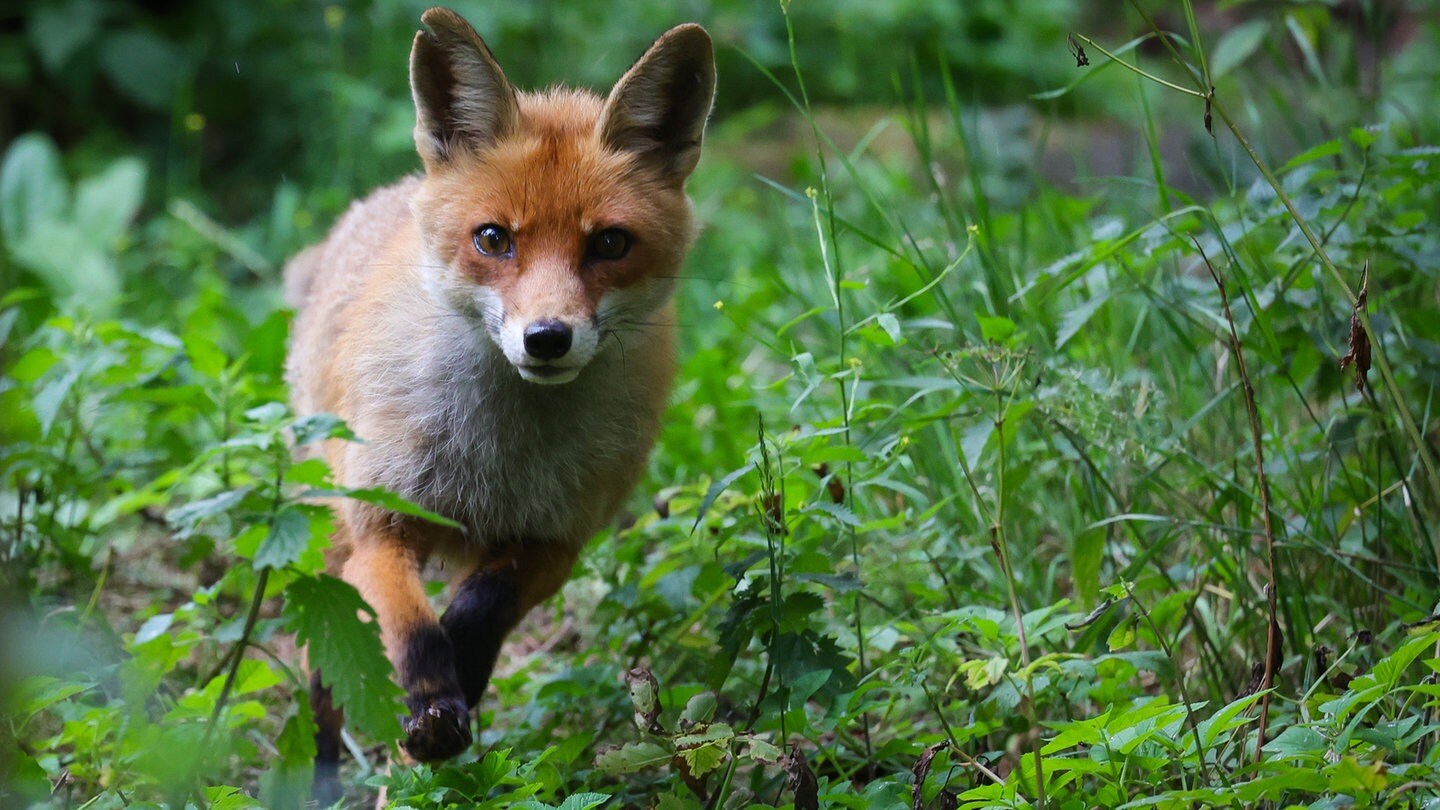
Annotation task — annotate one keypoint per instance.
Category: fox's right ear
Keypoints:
(462, 99)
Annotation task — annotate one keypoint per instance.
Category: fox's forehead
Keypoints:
(553, 171)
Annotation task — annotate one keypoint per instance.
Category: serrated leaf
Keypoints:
(188, 517)
(38, 692)
(702, 759)
(225, 797)
(324, 613)
(320, 426)
(632, 757)
(287, 539)
(583, 801)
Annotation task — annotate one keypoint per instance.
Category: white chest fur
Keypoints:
(453, 427)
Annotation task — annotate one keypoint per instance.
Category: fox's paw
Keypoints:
(437, 729)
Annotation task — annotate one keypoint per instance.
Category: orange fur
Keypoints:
(422, 343)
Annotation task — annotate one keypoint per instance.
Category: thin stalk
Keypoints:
(1001, 546)
(1318, 245)
(829, 255)
(1272, 635)
(1137, 70)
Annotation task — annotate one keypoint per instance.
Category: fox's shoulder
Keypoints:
(347, 253)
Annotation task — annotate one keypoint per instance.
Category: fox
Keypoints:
(499, 332)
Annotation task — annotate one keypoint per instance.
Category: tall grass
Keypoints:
(1000, 538)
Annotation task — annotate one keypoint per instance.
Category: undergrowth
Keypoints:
(975, 491)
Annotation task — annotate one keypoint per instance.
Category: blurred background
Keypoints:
(983, 319)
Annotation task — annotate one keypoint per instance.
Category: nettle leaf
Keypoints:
(584, 801)
(320, 426)
(324, 614)
(287, 539)
(229, 798)
(188, 518)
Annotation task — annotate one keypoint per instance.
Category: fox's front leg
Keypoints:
(386, 571)
(492, 599)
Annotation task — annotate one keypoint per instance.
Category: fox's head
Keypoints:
(555, 219)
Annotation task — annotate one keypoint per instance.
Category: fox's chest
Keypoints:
(516, 462)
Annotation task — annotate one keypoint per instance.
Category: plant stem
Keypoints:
(1272, 634)
(829, 254)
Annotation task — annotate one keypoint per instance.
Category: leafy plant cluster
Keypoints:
(975, 491)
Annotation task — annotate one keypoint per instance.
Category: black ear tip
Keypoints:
(438, 16)
(691, 36)
(445, 22)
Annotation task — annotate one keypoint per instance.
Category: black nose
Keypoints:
(547, 340)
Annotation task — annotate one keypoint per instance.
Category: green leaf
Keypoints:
(188, 518)
(699, 709)
(287, 539)
(51, 396)
(714, 492)
(58, 30)
(1087, 550)
(584, 801)
(32, 186)
(763, 750)
(996, 329)
(229, 798)
(1236, 46)
(324, 613)
(320, 426)
(1312, 154)
(143, 65)
(389, 500)
(39, 692)
(287, 784)
(632, 757)
(105, 203)
(1123, 635)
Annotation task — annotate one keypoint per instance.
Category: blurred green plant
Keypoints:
(67, 237)
(997, 540)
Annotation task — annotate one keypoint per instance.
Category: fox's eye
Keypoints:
(610, 244)
(493, 240)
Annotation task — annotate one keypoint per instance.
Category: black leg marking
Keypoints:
(326, 788)
(439, 724)
(485, 609)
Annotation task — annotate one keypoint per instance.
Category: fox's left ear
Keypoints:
(658, 108)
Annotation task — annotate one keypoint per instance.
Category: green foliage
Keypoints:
(957, 503)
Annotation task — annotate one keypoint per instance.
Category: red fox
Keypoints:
(499, 333)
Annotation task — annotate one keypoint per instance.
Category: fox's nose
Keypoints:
(547, 340)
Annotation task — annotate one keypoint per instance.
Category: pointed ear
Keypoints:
(658, 108)
(462, 98)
